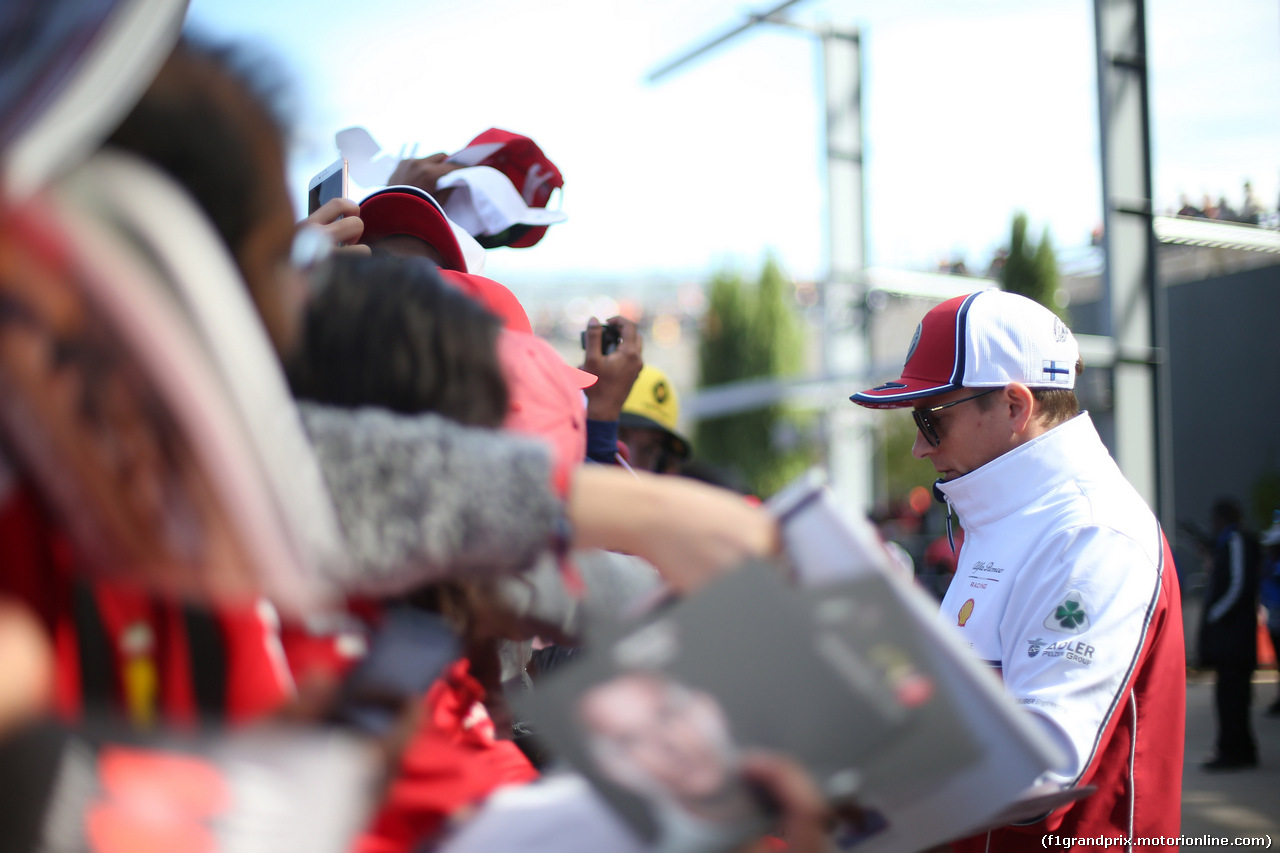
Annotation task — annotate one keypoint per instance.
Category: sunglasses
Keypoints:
(924, 420)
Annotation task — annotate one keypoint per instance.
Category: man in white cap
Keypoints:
(1065, 585)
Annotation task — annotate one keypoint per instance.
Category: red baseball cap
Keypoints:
(402, 209)
(986, 339)
(519, 158)
(500, 301)
(545, 398)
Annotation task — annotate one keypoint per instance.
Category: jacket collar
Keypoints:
(1008, 483)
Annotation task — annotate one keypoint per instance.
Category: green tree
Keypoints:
(750, 331)
(1032, 268)
(1264, 494)
(724, 347)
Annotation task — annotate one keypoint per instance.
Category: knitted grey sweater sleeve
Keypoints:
(422, 498)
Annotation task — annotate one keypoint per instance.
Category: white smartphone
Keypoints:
(329, 182)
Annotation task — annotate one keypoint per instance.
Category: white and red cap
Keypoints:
(518, 157)
(486, 203)
(986, 339)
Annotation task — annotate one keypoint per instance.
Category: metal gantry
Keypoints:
(1137, 310)
(842, 294)
(1139, 320)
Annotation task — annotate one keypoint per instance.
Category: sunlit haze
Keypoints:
(974, 109)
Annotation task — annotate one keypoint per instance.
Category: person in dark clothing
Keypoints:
(1229, 635)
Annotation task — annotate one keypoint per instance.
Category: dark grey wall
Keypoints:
(1224, 339)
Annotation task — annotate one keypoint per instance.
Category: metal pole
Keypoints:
(845, 349)
(753, 20)
(1138, 310)
(844, 335)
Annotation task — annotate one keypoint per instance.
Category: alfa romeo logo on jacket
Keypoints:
(1071, 616)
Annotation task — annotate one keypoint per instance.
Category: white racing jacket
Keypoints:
(1065, 586)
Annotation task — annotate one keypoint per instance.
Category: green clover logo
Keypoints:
(1069, 615)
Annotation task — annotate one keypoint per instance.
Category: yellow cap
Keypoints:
(653, 404)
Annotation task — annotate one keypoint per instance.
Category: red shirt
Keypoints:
(146, 670)
(452, 763)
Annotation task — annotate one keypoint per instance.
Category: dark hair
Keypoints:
(201, 120)
(1227, 511)
(388, 332)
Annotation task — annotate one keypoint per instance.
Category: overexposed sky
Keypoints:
(973, 109)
